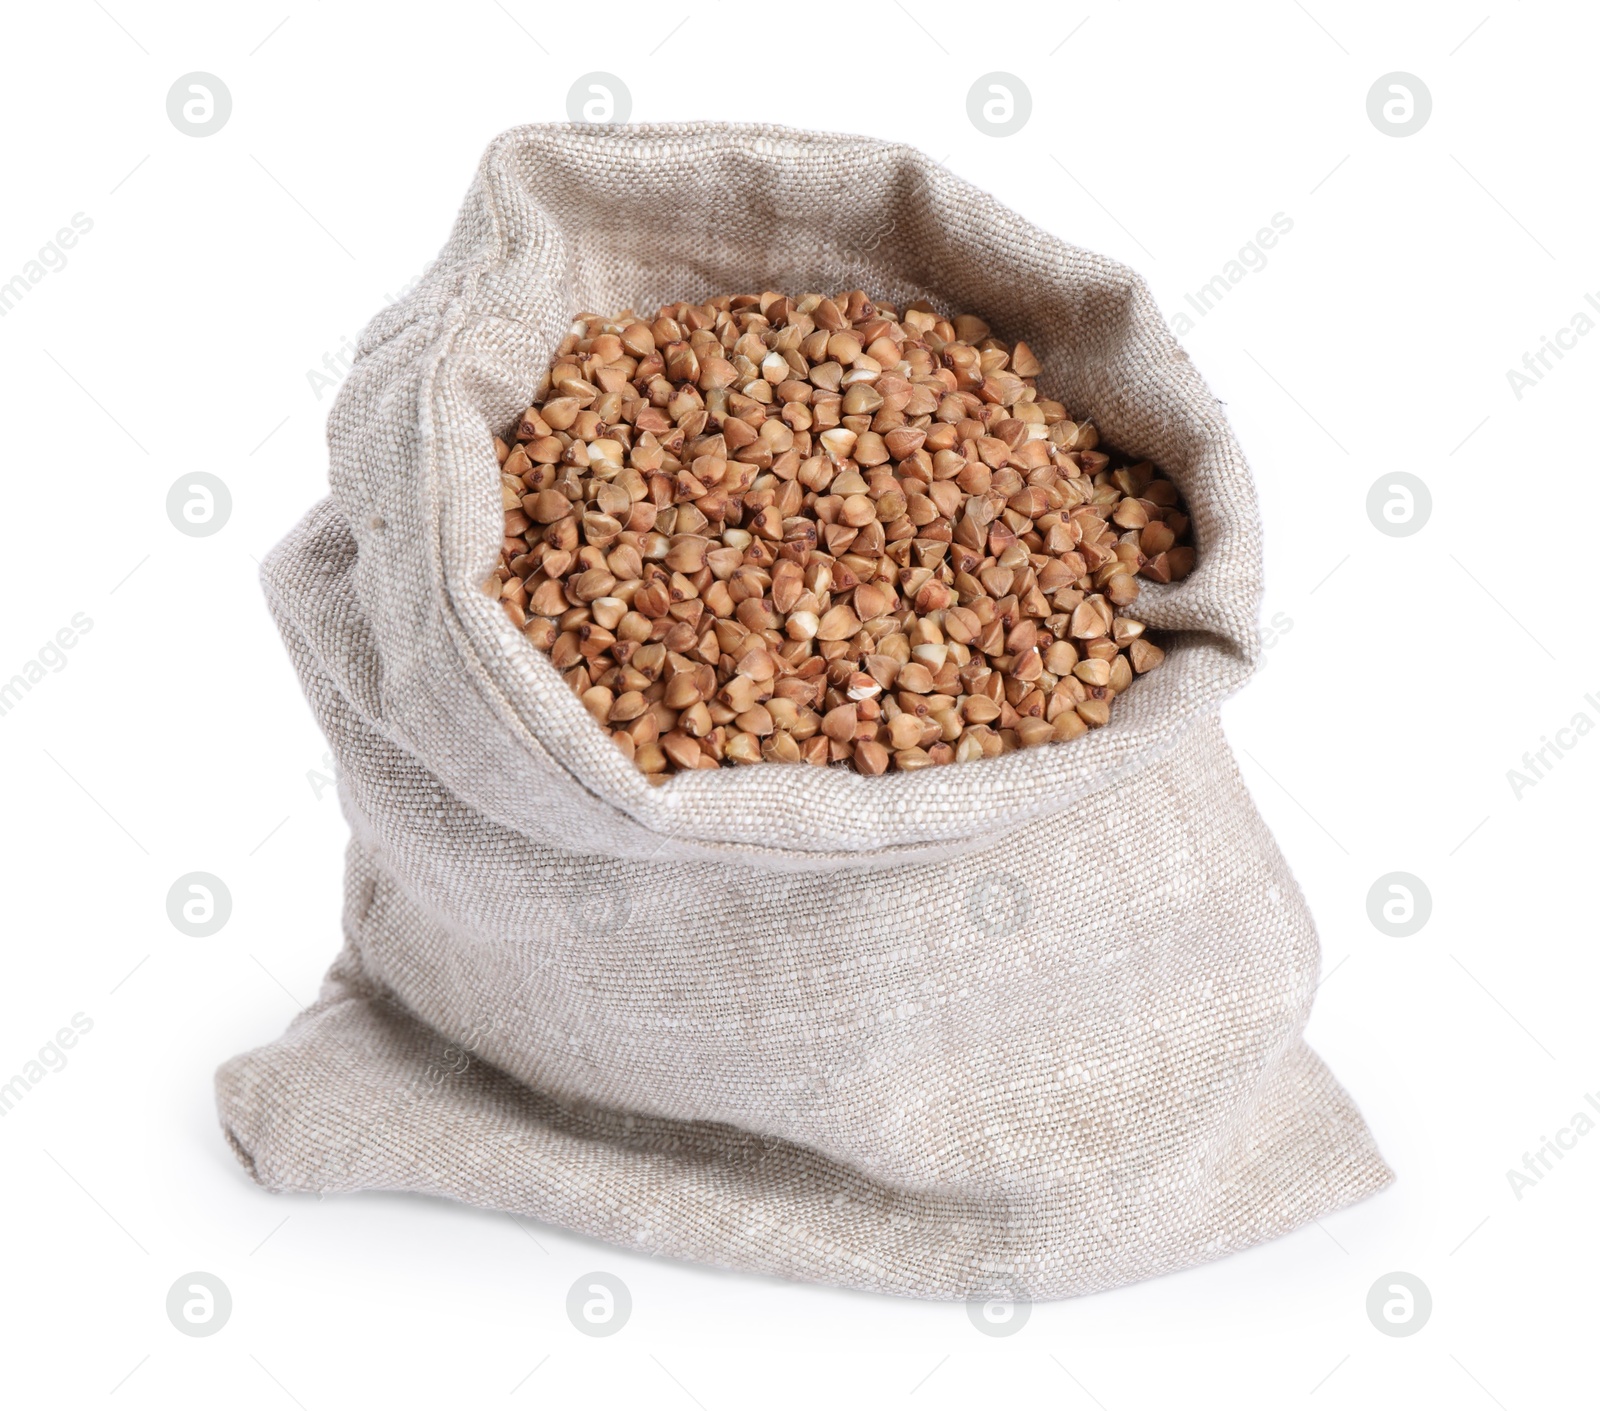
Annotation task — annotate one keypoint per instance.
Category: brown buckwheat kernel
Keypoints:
(820, 530)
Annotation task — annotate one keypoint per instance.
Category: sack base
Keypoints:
(359, 1095)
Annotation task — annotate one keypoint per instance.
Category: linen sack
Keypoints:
(1030, 1024)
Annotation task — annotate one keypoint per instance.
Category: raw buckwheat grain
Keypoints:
(817, 529)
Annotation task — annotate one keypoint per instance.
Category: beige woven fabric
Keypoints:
(1029, 1024)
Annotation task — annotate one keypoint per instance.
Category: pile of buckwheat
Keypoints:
(821, 530)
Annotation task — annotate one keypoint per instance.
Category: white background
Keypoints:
(1415, 673)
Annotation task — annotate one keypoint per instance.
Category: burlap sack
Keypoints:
(1030, 1024)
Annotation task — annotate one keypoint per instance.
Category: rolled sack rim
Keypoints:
(1212, 612)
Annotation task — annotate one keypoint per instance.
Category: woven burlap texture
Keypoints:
(1031, 1024)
